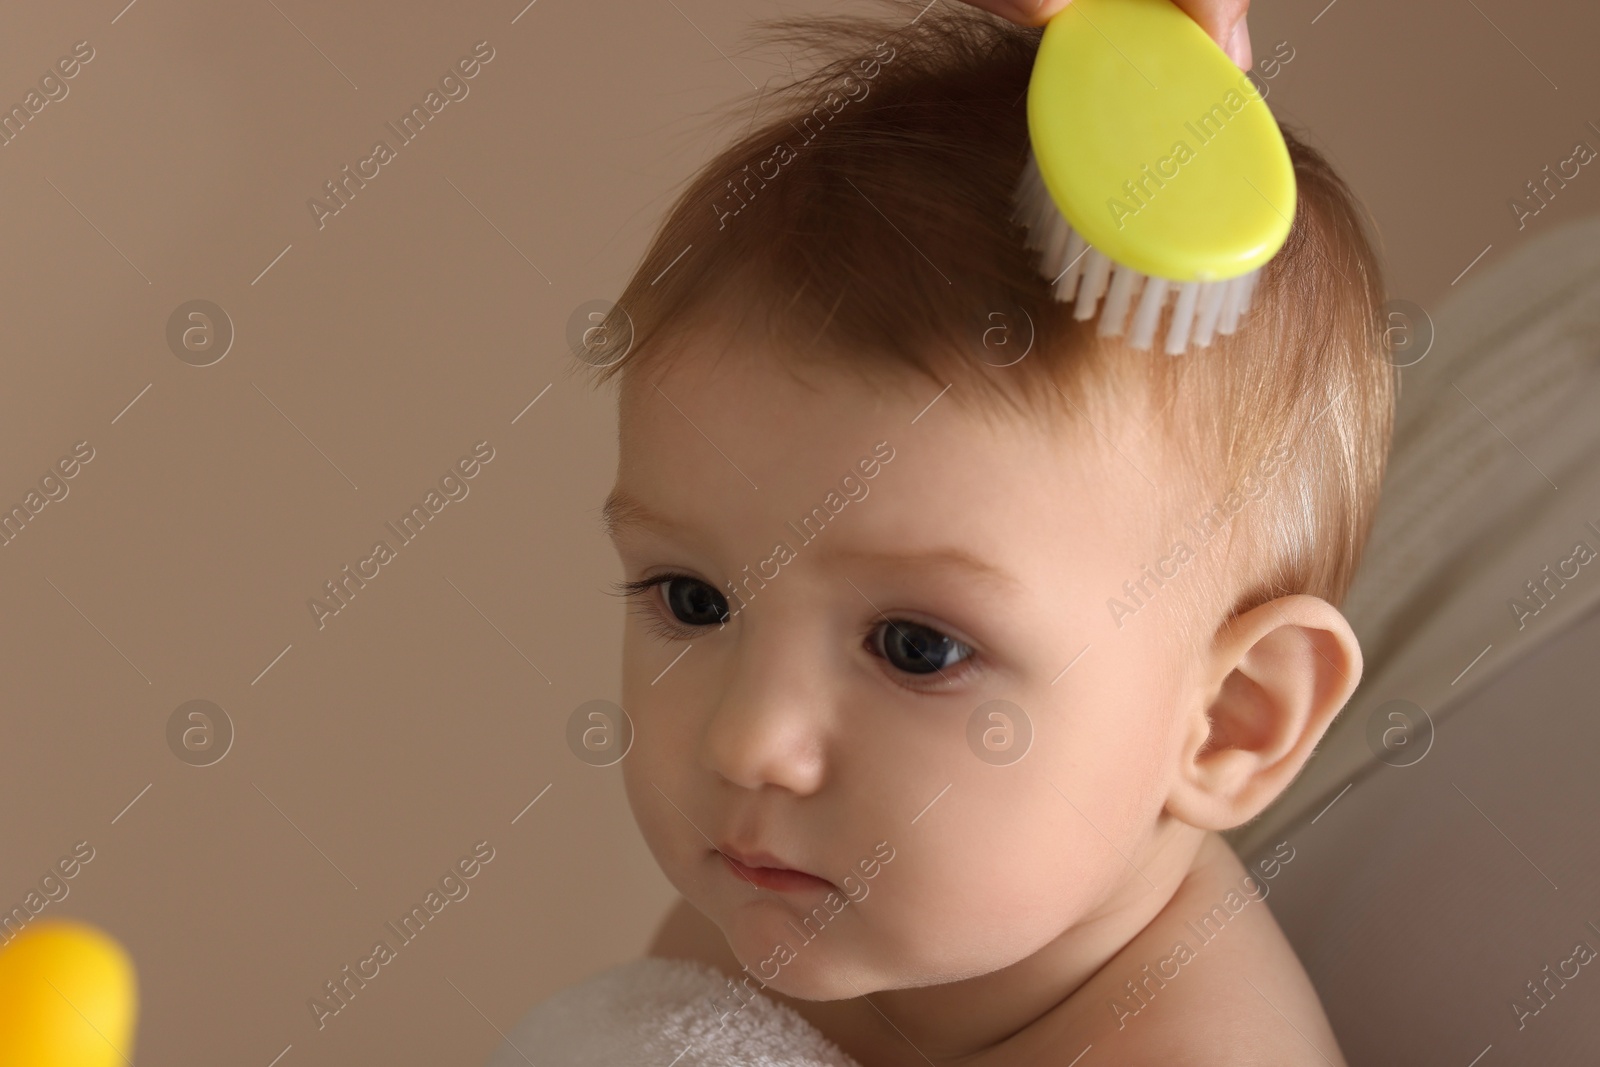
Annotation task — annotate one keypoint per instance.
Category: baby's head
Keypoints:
(937, 595)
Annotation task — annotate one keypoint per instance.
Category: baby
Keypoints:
(957, 632)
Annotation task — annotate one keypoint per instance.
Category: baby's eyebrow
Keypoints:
(622, 512)
(949, 558)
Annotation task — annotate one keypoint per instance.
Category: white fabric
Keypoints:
(654, 1012)
(1467, 518)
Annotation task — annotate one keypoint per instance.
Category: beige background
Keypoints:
(368, 358)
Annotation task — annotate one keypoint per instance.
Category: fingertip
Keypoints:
(1238, 46)
(1035, 12)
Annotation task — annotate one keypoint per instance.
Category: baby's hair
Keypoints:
(867, 227)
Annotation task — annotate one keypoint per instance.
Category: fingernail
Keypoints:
(1031, 12)
(1238, 47)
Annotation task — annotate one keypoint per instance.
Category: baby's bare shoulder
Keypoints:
(1219, 1026)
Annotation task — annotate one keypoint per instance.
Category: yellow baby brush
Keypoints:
(1156, 172)
(68, 997)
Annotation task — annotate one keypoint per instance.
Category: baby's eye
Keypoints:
(693, 602)
(916, 649)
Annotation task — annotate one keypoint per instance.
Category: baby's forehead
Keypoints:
(814, 402)
(1065, 393)
(748, 438)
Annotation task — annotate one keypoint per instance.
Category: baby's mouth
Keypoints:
(761, 871)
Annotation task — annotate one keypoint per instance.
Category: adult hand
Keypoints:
(1223, 20)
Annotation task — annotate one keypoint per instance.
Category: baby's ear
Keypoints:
(1277, 676)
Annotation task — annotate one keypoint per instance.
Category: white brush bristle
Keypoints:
(1114, 312)
(1195, 312)
(1096, 273)
(1182, 318)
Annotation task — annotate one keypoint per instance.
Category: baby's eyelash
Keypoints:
(661, 625)
(633, 588)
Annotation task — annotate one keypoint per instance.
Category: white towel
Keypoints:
(655, 1012)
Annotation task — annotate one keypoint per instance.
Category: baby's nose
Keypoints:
(773, 718)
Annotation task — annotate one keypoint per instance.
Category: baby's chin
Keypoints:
(841, 967)
(800, 961)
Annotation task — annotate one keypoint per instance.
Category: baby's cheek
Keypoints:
(949, 922)
(660, 752)
(985, 886)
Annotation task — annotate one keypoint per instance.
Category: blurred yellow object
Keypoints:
(69, 997)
